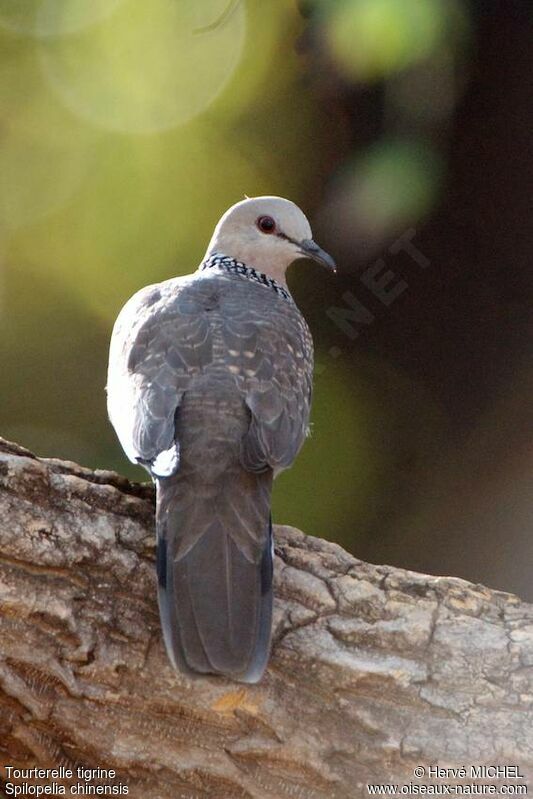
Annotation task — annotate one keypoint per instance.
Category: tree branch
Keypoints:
(375, 670)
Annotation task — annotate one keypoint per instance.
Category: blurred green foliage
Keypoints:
(394, 181)
(126, 129)
(371, 39)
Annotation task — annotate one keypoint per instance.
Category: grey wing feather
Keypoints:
(160, 341)
(278, 390)
(163, 339)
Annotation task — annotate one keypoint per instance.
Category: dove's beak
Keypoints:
(310, 249)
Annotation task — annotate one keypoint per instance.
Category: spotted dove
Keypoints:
(209, 388)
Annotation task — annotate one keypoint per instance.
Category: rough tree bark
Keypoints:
(375, 670)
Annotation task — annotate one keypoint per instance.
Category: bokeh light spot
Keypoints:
(389, 186)
(53, 17)
(395, 183)
(146, 68)
(44, 153)
(369, 39)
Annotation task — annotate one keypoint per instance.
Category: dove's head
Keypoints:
(267, 233)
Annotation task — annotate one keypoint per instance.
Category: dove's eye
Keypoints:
(266, 224)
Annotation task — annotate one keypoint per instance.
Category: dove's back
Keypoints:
(210, 387)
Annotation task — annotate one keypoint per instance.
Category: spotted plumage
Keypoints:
(209, 387)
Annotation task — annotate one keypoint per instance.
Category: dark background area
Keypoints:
(377, 118)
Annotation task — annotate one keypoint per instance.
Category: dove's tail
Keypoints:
(214, 564)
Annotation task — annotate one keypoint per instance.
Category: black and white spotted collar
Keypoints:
(235, 267)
